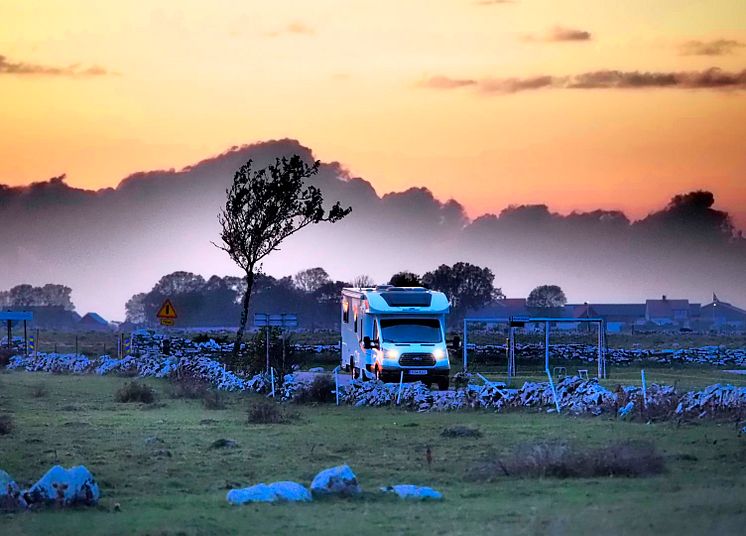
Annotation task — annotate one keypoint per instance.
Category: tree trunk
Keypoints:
(244, 316)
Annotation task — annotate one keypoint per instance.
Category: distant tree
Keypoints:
(546, 297)
(134, 309)
(466, 285)
(57, 295)
(311, 279)
(179, 283)
(262, 209)
(405, 279)
(50, 295)
(362, 281)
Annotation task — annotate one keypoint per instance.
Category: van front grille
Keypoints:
(417, 360)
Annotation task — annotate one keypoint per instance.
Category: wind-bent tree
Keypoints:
(546, 297)
(264, 207)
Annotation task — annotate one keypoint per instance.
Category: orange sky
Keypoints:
(187, 79)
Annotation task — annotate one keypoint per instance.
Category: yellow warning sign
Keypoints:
(167, 322)
(166, 311)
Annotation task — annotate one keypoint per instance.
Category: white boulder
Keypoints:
(411, 492)
(338, 480)
(66, 486)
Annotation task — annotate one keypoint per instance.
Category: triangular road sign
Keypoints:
(167, 310)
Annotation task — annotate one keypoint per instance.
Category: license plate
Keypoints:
(418, 372)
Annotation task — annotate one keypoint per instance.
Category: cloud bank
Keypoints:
(21, 68)
(111, 243)
(716, 47)
(713, 78)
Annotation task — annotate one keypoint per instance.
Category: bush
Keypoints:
(461, 430)
(266, 412)
(188, 386)
(135, 392)
(213, 400)
(321, 390)
(39, 391)
(555, 459)
(6, 424)
(5, 355)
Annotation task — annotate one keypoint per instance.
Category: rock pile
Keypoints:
(715, 400)
(704, 355)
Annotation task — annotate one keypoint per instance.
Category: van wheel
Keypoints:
(353, 370)
(443, 385)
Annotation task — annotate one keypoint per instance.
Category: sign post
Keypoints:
(167, 313)
(283, 321)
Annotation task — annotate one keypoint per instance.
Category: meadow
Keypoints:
(160, 474)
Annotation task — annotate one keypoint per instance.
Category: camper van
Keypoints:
(388, 330)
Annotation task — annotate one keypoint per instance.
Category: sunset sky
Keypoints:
(492, 103)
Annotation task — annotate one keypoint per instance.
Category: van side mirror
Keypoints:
(368, 344)
(456, 342)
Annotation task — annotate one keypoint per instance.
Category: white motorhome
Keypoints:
(388, 330)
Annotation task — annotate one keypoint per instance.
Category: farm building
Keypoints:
(94, 322)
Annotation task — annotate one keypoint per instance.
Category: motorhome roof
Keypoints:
(390, 299)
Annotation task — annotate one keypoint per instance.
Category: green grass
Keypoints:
(702, 491)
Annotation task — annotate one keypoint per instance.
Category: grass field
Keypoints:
(178, 486)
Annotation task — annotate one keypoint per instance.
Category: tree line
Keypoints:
(310, 293)
(25, 295)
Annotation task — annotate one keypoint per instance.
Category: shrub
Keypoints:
(265, 411)
(212, 399)
(556, 459)
(5, 355)
(6, 424)
(189, 386)
(461, 430)
(39, 391)
(135, 392)
(320, 390)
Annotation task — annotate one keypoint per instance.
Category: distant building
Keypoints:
(93, 322)
(666, 312)
(618, 316)
(722, 315)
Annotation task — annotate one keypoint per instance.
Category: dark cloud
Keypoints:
(716, 47)
(21, 68)
(559, 34)
(111, 243)
(713, 78)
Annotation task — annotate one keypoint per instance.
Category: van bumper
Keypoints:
(393, 375)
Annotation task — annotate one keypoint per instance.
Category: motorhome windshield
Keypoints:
(410, 330)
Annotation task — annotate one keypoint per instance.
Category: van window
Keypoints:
(411, 330)
(345, 311)
(375, 330)
(355, 321)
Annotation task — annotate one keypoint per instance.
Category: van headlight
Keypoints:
(392, 354)
(440, 354)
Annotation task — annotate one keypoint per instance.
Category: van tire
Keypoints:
(443, 384)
